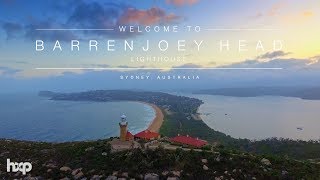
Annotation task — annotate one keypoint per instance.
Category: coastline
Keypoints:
(157, 121)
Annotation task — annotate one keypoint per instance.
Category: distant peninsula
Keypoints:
(309, 93)
(181, 117)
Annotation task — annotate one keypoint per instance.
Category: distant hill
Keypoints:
(311, 93)
(46, 93)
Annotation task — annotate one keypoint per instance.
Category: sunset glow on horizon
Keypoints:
(257, 24)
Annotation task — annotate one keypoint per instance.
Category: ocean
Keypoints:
(27, 116)
(262, 117)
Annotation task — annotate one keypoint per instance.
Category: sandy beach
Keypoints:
(156, 123)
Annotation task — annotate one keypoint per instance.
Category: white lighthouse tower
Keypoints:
(123, 128)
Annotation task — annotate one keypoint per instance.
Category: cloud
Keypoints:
(276, 8)
(296, 72)
(6, 71)
(274, 54)
(15, 61)
(298, 18)
(315, 61)
(87, 15)
(288, 64)
(308, 13)
(188, 65)
(100, 16)
(12, 29)
(96, 15)
(129, 67)
(16, 31)
(181, 2)
(315, 58)
(150, 16)
(32, 34)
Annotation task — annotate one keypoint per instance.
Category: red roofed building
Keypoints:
(129, 136)
(147, 135)
(187, 140)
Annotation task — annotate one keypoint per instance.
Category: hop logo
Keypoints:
(23, 167)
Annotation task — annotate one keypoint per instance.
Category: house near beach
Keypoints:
(189, 141)
(147, 135)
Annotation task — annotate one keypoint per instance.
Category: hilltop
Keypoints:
(97, 160)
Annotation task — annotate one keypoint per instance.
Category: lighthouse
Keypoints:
(123, 128)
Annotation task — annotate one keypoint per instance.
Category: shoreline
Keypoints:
(157, 121)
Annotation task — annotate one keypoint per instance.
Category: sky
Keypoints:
(294, 22)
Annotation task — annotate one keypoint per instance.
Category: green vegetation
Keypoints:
(96, 159)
